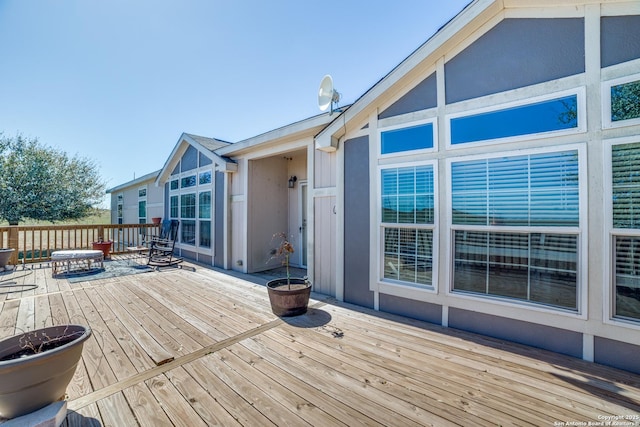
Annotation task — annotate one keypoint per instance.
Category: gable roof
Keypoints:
(134, 181)
(206, 146)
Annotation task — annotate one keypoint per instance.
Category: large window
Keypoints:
(516, 227)
(625, 169)
(142, 205)
(537, 118)
(204, 213)
(407, 223)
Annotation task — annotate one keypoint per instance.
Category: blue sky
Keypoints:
(119, 81)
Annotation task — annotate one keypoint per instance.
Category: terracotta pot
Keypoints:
(287, 302)
(33, 381)
(105, 247)
(156, 220)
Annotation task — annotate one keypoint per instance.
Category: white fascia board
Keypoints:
(308, 126)
(327, 139)
(183, 143)
(137, 181)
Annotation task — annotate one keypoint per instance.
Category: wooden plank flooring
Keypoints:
(198, 347)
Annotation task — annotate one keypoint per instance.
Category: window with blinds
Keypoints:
(407, 223)
(625, 171)
(524, 193)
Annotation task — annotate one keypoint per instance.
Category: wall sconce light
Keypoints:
(292, 181)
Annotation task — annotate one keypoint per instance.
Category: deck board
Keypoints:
(230, 361)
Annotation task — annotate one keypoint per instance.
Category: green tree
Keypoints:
(43, 183)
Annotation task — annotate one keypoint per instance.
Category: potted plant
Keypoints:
(289, 296)
(37, 366)
(5, 257)
(103, 246)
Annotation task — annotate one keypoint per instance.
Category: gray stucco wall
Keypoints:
(546, 337)
(619, 39)
(516, 53)
(218, 213)
(617, 354)
(356, 222)
(428, 312)
(421, 97)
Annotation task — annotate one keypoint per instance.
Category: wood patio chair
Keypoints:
(162, 247)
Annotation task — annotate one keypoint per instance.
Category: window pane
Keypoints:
(627, 277)
(205, 234)
(188, 232)
(204, 205)
(545, 116)
(408, 195)
(142, 209)
(142, 192)
(534, 267)
(174, 207)
(204, 178)
(537, 190)
(625, 101)
(188, 205)
(188, 181)
(174, 184)
(408, 255)
(407, 139)
(625, 166)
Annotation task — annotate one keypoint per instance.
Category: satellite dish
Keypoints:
(327, 95)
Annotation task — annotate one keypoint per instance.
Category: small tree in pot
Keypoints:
(288, 296)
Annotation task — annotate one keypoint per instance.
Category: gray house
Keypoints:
(488, 183)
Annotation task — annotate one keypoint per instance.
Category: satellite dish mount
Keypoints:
(328, 97)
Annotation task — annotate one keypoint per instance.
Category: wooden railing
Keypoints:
(35, 243)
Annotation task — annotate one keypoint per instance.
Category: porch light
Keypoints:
(292, 181)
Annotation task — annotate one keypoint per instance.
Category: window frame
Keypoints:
(142, 197)
(607, 123)
(432, 120)
(610, 234)
(398, 287)
(580, 230)
(579, 92)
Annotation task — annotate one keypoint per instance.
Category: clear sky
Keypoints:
(118, 81)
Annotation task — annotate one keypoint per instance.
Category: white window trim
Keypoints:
(433, 121)
(580, 230)
(580, 93)
(610, 232)
(606, 103)
(399, 288)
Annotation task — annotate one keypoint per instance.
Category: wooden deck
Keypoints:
(197, 347)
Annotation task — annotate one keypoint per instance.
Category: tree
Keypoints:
(44, 183)
(625, 101)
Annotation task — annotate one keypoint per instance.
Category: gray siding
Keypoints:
(546, 337)
(421, 97)
(619, 39)
(204, 160)
(189, 159)
(617, 354)
(218, 227)
(356, 222)
(428, 312)
(516, 53)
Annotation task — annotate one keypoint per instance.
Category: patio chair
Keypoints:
(162, 246)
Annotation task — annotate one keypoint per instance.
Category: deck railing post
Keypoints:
(13, 243)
